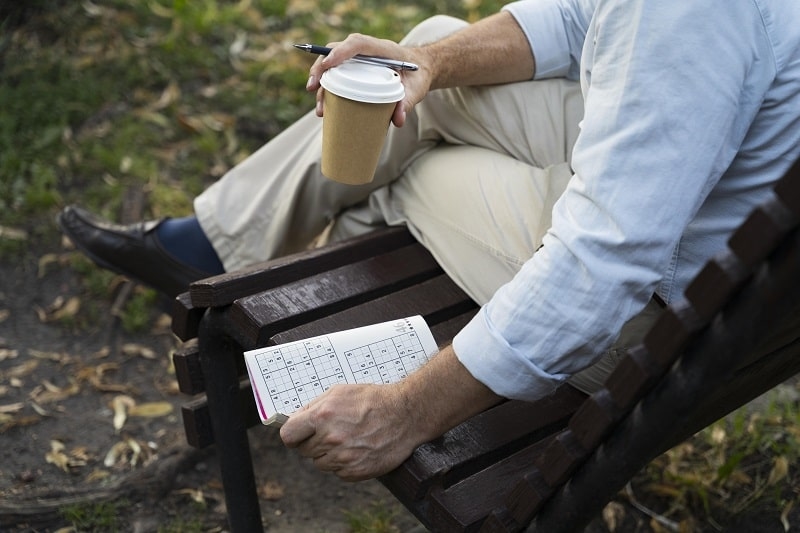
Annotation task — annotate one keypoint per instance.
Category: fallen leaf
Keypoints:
(11, 408)
(170, 95)
(613, 514)
(151, 409)
(7, 421)
(48, 392)
(45, 261)
(57, 457)
(785, 515)
(81, 453)
(125, 164)
(92, 9)
(6, 353)
(128, 451)
(20, 371)
(13, 234)
(4, 314)
(272, 491)
(59, 309)
(113, 455)
(102, 353)
(133, 350)
(718, 435)
(780, 468)
(94, 375)
(56, 357)
(190, 123)
(163, 324)
(120, 405)
(41, 411)
(195, 494)
(97, 475)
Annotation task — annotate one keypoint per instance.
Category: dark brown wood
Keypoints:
(185, 317)
(197, 418)
(481, 441)
(258, 317)
(721, 369)
(437, 300)
(591, 422)
(222, 290)
(218, 358)
(188, 371)
(459, 508)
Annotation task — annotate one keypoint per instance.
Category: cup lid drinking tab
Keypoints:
(364, 83)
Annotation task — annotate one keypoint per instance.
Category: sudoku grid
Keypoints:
(298, 372)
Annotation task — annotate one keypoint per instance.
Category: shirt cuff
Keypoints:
(493, 362)
(543, 26)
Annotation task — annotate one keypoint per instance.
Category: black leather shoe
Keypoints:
(132, 250)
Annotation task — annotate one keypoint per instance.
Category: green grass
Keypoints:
(378, 518)
(743, 462)
(160, 94)
(99, 517)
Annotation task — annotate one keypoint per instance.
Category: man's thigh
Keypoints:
(482, 214)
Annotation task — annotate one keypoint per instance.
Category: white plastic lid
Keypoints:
(362, 82)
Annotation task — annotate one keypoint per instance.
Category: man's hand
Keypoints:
(416, 83)
(491, 51)
(364, 431)
(355, 431)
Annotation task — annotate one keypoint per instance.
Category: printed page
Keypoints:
(286, 377)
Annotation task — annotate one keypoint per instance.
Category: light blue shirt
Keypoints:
(692, 112)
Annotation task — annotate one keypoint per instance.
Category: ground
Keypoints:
(59, 384)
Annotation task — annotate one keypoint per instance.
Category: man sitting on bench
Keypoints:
(563, 160)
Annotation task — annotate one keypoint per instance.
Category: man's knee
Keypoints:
(433, 29)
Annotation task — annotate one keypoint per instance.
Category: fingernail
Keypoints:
(310, 82)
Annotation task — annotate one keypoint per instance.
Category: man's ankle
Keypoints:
(186, 241)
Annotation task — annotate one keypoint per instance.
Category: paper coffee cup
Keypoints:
(359, 101)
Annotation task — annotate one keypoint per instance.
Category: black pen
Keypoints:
(391, 63)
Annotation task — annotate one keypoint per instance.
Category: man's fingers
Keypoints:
(297, 429)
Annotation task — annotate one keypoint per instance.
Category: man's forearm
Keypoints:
(442, 394)
(491, 51)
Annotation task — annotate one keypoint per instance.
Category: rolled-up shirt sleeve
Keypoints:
(664, 119)
(555, 30)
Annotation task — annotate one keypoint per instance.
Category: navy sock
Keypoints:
(186, 241)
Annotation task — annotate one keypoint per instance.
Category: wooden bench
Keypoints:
(552, 464)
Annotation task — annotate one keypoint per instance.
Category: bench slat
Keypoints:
(222, 290)
(197, 418)
(455, 509)
(258, 317)
(438, 300)
(480, 441)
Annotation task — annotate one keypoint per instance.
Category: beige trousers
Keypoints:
(473, 173)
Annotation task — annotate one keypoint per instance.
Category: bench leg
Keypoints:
(218, 353)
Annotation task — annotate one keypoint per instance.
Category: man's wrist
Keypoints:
(441, 395)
